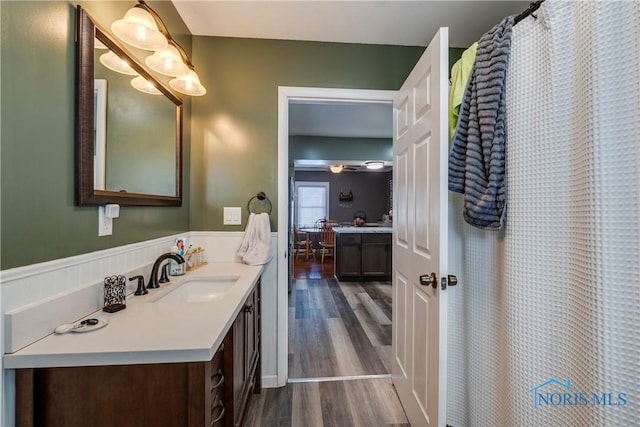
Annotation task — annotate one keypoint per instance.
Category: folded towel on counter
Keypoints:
(255, 248)
(477, 159)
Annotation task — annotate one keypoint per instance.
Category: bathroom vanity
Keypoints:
(363, 253)
(186, 354)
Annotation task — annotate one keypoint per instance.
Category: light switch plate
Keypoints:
(232, 216)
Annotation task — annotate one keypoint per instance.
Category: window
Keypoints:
(312, 203)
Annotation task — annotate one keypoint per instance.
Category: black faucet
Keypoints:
(153, 279)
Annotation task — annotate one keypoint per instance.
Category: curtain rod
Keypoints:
(532, 8)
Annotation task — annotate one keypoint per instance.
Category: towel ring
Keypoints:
(264, 202)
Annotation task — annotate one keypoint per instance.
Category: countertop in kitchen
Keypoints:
(148, 331)
(363, 229)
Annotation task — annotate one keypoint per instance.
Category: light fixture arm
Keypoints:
(163, 29)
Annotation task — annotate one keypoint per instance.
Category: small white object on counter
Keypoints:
(149, 331)
(81, 326)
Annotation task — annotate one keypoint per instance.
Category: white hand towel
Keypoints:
(248, 236)
(258, 241)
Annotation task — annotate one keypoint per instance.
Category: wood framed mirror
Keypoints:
(128, 142)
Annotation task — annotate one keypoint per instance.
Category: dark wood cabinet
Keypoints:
(243, 363)
(215, 393)
(376, 255)
(363, 256)
(348, 255)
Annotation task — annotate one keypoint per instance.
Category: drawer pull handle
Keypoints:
(220, 349)
(219, 417)
(220, 381)
(248, 308)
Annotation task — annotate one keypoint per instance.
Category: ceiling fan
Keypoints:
(370, 164)
(340, 168)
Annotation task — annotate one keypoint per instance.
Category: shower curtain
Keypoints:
(544, 327)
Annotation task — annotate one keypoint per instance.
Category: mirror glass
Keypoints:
(129, 145)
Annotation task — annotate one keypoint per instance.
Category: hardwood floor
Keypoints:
(337, 331)
(366, 403)
(312, 268)
(339, 328)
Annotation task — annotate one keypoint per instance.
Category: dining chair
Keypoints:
(327, 242)
(301, 246)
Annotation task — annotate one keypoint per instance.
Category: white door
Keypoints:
(420, 151)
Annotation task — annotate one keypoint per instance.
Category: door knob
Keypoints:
(453, 280)
(429, 279)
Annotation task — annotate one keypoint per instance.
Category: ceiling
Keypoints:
(407, 23)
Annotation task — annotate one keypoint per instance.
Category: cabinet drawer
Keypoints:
(376, 238)
(349, 238)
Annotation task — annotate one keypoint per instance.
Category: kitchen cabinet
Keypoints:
(376, 255)
(348, 255)
(214, 393)
(363, 256)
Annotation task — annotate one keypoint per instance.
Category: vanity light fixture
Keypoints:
(336, 168)
(374, 165)
(167, 61)
(139, 29)
(169, 57)
(188, 84)
(117, 64)
(143, 85)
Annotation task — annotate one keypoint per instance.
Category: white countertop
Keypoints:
(147, 331)
(363, 229)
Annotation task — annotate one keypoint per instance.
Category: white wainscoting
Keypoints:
(38, 297)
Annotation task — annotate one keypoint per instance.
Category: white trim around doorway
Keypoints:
(287, 94)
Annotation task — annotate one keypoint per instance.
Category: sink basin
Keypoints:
(205, 289)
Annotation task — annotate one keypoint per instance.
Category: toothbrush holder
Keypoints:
(114, 293)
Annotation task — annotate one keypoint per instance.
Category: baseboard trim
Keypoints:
(269, 381)
(343, 378)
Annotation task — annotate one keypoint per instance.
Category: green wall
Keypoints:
(326, 148)
(234, 127)
(230, 135)
(38, 218)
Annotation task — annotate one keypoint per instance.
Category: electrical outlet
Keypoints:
(232, 216)
(105, 224)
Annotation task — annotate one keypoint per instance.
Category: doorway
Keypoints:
(286, 95)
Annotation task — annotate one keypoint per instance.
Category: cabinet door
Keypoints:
(374, 259)
(375, 254)
(251, 315)
(237, 366)
(242, 361)
(257, 340)
(348, 260)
